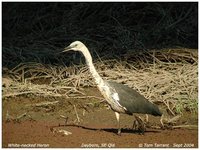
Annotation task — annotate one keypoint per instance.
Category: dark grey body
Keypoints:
(133, 101)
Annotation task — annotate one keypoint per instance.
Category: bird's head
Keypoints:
(80, 47)
(75, 46)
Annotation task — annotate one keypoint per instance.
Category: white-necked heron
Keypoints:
(121, 98)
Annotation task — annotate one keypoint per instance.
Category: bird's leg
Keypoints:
(146, 118)
(146, 121)
(161, 121)
(140, 124)
(119, 129)
(135, 125)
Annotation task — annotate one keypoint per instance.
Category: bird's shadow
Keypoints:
(111, 130)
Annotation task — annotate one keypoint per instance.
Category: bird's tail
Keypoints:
(155, 110)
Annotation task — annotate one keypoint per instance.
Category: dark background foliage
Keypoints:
(35, 32)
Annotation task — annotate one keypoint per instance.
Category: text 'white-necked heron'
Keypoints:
(121, 98)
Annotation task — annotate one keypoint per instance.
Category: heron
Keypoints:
(120, 97)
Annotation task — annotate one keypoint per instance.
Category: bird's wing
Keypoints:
(133, 101)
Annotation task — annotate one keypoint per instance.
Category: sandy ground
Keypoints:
(40, 126)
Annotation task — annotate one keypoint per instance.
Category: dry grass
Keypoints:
(173, 84)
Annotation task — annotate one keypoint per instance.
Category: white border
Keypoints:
(95, 1)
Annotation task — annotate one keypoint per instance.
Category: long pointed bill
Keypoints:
(68, 48)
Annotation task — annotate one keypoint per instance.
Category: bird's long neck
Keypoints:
(88, 58)
(102, 85)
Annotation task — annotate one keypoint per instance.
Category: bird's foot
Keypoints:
(119, 132)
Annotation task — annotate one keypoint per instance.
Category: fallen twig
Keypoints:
(185, 126)
(78, 119)
(44, 104)
(64, 117)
